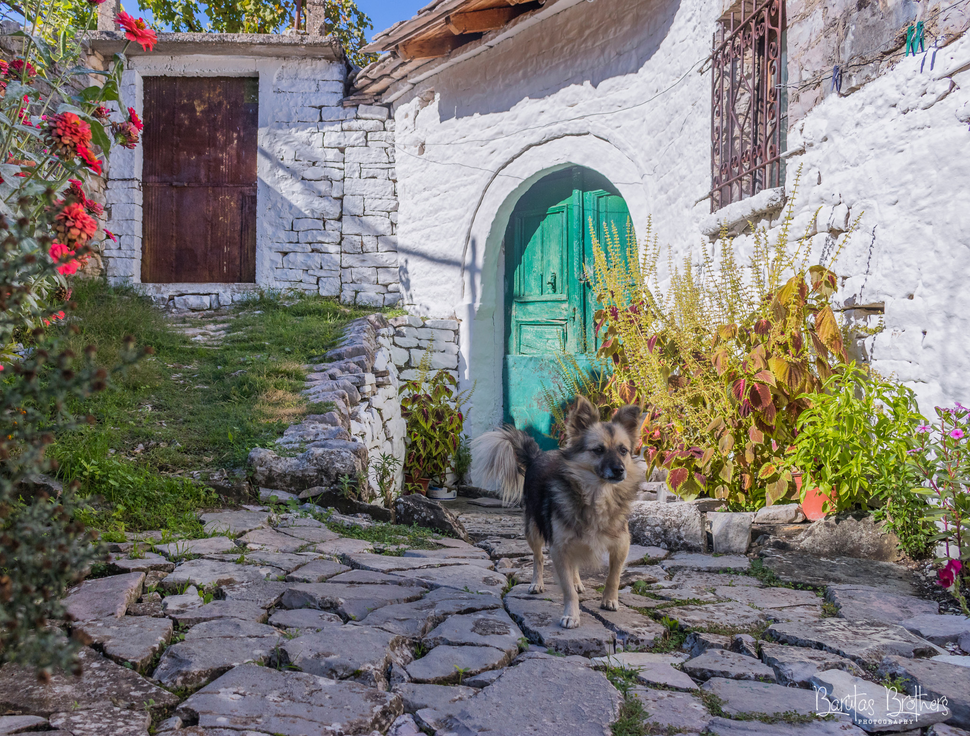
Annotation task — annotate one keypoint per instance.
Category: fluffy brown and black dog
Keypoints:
(577, 498)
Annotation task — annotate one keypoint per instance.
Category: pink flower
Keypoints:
(923, 429)
(949, 573)
(957, 434)
(110, 234)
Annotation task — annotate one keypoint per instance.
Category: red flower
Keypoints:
(137, 31)
(126, 134)
(87, 155)
(68, 135)
(101, 112)
(110, 234)
(74, 225)
(60, 253)
(4, 67)
(16, 69)
(135, 120)
(949, 573)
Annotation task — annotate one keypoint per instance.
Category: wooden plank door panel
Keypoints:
(199, 180)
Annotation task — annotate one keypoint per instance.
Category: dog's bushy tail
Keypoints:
(500, 458)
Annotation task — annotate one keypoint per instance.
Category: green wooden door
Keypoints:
(549, 307)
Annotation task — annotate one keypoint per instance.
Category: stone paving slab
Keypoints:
(862, 642)
(539, 620)
(461, 577)
(712, 580)
(361, 653)
(652, 668)
(936, 680)
(245, 610)
(725, 727)
(806, 569)
(204, 573)
(351, 602)
(337, 548)
(103, 720)
(234, 522)
(500, 547)
(740, 697)
(210, 546)
(939, 629)
(416, 619)
(311, 534)
(316, 571)
(365, 577)
(482, 628)
(289, 704)
(795, 666)
(730, 615)
(101, 681)
(304, 619)
(515, 706)
(285, 561)
(709, 563)
(449, 664)
(768, 597)
(147, 562)
(102, 598)
(865, 603)
(723, 663)
(387, 563)
(673, 710)
(633, 630)
(872, 707)
(272, 541)
(448, 553)
(132, 639)
(20, 724)
(795, 614)
(418, 696)
(197, 661)
(265, 593)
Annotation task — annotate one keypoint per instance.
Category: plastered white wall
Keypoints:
(621, 86)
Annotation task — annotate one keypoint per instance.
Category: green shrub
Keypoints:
(853, 440)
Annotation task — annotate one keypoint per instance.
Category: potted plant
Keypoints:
(432, 407)
(852, 442)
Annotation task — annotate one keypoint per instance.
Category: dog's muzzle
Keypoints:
(612, 473)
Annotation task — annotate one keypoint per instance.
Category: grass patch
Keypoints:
(191, 408)
(381, 534)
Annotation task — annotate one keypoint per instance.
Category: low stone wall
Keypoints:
(361, 378)
(705, 525)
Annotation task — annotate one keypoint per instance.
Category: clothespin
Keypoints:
(914, 39)
(837, 79)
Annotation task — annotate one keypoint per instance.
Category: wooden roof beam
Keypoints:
(432, 47)
(480, 21)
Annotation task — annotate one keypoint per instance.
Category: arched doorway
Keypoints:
(549, 306)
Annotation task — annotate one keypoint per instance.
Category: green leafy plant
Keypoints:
(385, 470)
(432, 407)
(462, 461)
(721, 360)
(853, 439)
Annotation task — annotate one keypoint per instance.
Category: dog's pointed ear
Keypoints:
(630, 419)
(582, 416)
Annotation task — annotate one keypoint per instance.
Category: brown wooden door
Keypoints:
(199, 180)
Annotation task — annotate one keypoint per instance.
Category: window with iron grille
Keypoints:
(748, 101)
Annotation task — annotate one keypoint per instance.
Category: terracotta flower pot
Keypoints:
(421, 482)
(814, 501)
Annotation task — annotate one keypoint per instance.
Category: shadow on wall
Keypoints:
(609, 43)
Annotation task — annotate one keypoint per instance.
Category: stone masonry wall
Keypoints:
(415, 336)
(326, 186)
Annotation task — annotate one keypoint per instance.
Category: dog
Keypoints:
(577, 498)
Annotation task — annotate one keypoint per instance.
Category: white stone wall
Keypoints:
(622, 87)
(326, 206)
(413, 338)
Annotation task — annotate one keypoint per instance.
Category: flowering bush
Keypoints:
(54, 139)
(721, 360)
(941, 456)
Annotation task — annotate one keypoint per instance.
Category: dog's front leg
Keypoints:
(618, 554)
(535, 542)
(566, 572)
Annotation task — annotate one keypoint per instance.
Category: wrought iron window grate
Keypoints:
(747, 96)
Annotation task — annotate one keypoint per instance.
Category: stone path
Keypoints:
(280, 625)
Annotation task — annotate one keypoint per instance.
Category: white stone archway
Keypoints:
(482, 312)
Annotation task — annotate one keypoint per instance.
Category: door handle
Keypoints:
(551, 283)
